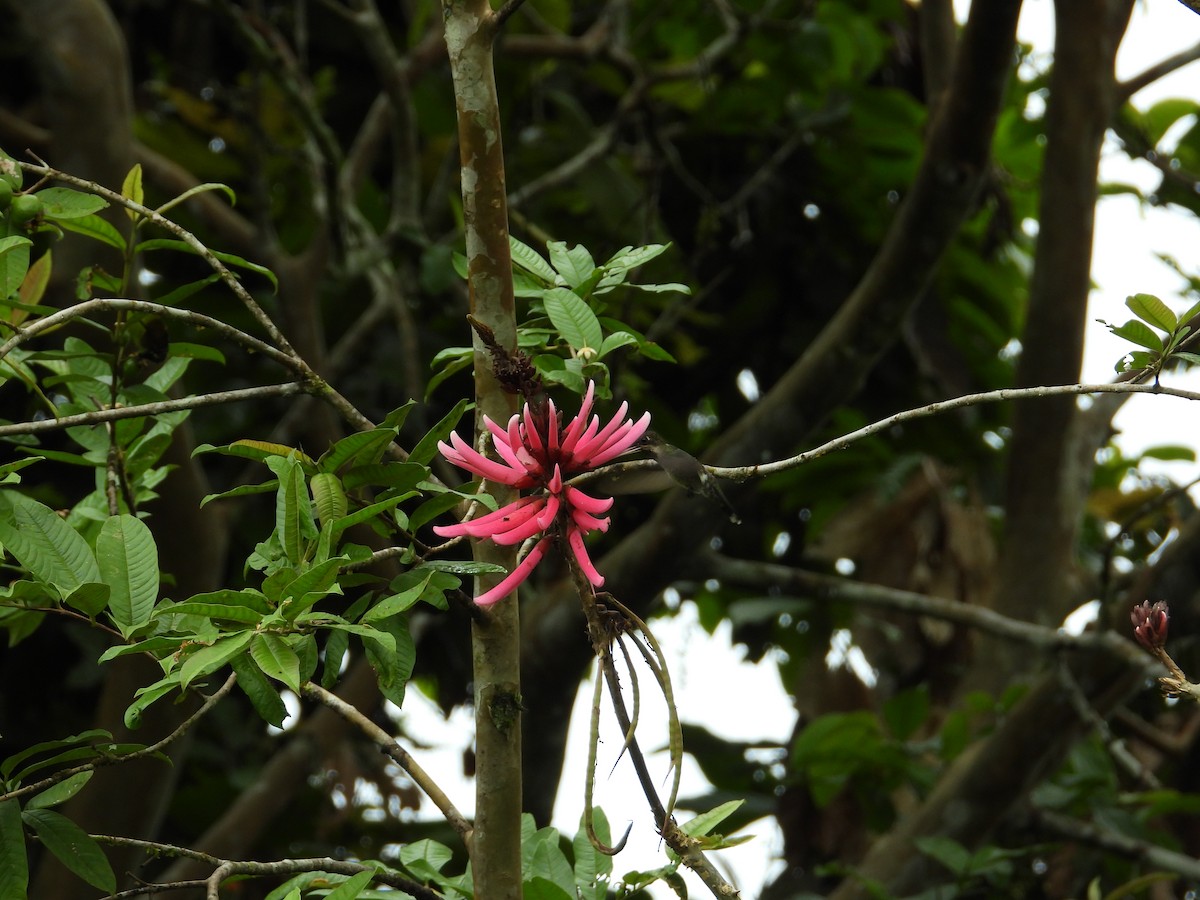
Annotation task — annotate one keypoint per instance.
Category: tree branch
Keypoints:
(388, 745)
(199, 320)
(831, 587)
(151, 750)
(155, 409)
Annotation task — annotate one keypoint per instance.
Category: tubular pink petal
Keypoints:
(618, 444)
(587, 522)
(580, 420)
(516, 444)
(575, 540)
(514, 513)
(556, 483)
(575, 458)
(599, 439)
(518, 532)
(502, 441)
(466, 457)
(451, 530)
(532, 438)
(547, 515)
(587, 502)
(552, 434)
(518, 575)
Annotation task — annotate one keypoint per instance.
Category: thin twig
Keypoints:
(155, 748)
(1107, 839)
(745, 473)
(199, 320)
(831, 587)
(1116, 747)
(398, 754)
(154, 409)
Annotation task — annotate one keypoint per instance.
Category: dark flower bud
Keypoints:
(1150, 624)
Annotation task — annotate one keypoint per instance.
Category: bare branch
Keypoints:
(388, 744)
(744, 473)
(186, 315)
(155, 409)
(1143, 851)
(151, 750)
(830, 587)
(1126, 89)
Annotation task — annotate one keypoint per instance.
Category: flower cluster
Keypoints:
(538, 453)
(1150, 624)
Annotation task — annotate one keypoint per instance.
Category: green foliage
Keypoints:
(567, 333)
(1154, 316)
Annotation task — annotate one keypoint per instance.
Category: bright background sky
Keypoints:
(713, 687)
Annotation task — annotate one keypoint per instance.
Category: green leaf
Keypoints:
(243, 490)
(464, 567)
(385, 640)
(64, 203)
(632, 257)
(209, 659)
(14, 263)
(9, 766)
(42, 542)
(148, 695)
(590, 863)
(531, 261)
(228, 258)
(321, 579)
(949, 852)
(1150, 309)
(426, 448)
(548, 863)
(224, 612)
(294, 521)
(14, 865)
(395, 668)
(1170, 452)
(397, 603)
(1162, 115)
(258, 450)
(217, 603)
(615, 340)
(90, 598)
(61, 792)
(128, 559)
(336, 646)
(425, 858)
(575, 265)
(276, 659)
(328, 496)
(573, 319)
(350, 888)
(131, 189)
(361, 447)
(73, 847)
(263, 695)
(96, 228)
(707, 821)
(1138, 333)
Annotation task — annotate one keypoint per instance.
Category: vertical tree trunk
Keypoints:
(1047, 484)
(496, 842)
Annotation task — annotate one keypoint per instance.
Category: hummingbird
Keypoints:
(686, 471)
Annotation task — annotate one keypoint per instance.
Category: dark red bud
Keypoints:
(1150, 623)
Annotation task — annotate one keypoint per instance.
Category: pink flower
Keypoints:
(538, 452)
